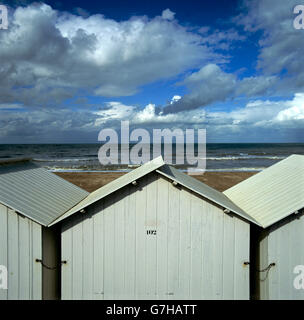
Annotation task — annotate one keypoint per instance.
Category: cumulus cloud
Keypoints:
(253, 113)
(222, 39)
(51, 126)
(280, 59)
(50, 55)
(175, 99)
(150, 116)
(295, 110)
(280, 70)
(263, 115)
(208, 85)
(113, 111)
(168, 14)
(282, 45)
(258, 120)
(211, 84)
(257, 86)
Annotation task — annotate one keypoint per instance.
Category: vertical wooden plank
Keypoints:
(36, 266)
(130, 244)
(185, 244)
(217, 239)
(208, 212)
(31, 259)
(151, 246)
(24, 258)
(173, 242)
(241, 271)
(298, 259)
(296, 227)
(88, 236)
(228, 257)
(3, 244)
(109, 248)
(13, 256)
(274, 255)
(300, 239)
(98, 257)
(67, 269)
(285, 281)
(23, 245)
(196, 248)
(140, 274)
(162, 237)
(119, 221)
(77, 257)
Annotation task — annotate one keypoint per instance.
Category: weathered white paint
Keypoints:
(20, 246)
(282, 244)
(197, 253)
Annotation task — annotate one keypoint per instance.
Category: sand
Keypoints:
(91, 181)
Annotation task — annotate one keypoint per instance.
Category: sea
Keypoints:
(84, 157)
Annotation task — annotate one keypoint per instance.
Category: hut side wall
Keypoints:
(20, 245)
(112, 251)
(283, 246)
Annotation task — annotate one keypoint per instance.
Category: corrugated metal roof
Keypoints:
(203, 190)
(274, 193)
(36, 193)
(158, 165)
(114, 186)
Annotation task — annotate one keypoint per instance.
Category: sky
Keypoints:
(69, 69)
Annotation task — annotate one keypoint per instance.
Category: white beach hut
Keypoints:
(30, 199)
(155, 233)
(275, 198)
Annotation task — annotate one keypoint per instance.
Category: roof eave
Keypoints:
(23, 214)
(151, 166)
(237, 212)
